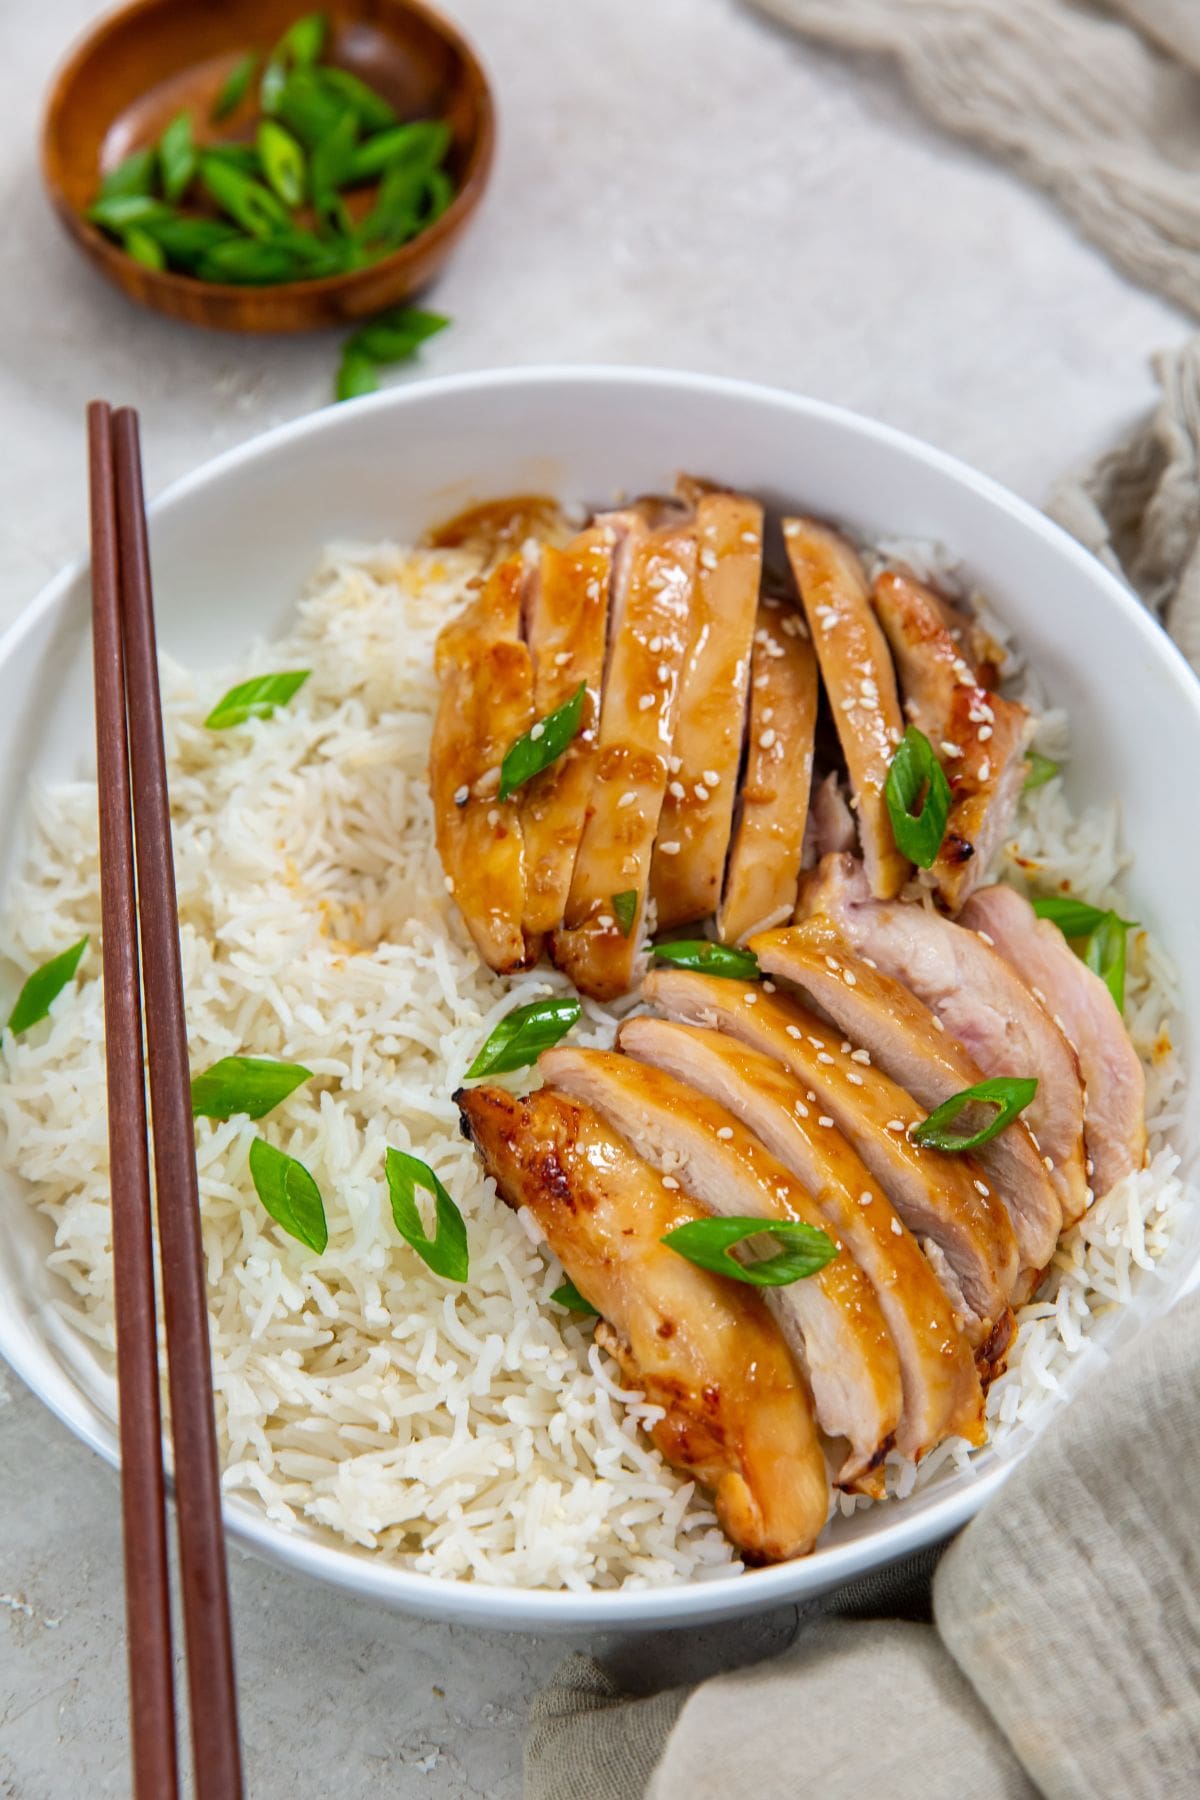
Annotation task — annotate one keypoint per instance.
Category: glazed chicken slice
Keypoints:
(857, 672)
(980, 1000)
(697, 811)
(980, 737)
(942, 1395)
(486, 704)
(904, 1040)
(1114, 1083)
(768, 839)
(960, 1226)
(832, 1318)
(736, 1415)
(566, 616)
(652, 593)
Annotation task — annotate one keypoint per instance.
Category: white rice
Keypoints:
(474, 1431)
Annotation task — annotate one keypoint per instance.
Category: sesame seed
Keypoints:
(768, 714)
(493, 817)
(989, 941)
(605, 921)
(831, 962)
(799, 1106)
(750, 999)
(823, 1056)
(860, 1056)
(1049, 1162)
(766, 740)
(671, 849)
(812, 1096)
(750, 537)
(1038, 995)
(981, 1187)
(768, 987)
(824, 1119)
(817, 1043)
(449, 881)
(937, 1023)
(791, 528)
(949, 749)
(674, 763)
(675, 789)
(663, 673)
(628, 798)
(870, 962)
(845, 1046)
(853, 1079)
(760, 681)
(701, 791)
(537, 731)
(462, 795)
(895, 1125)
(850, 978)
(726, 1131)
(985, 732)
(562, 659)
(646, 702)
(654, 646)
(712, 778)
(897, 1228)
(708, 559)
(669, 1181)
(865, 1199)
(794, 1031)
(985, 770)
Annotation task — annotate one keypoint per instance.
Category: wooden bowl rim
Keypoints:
(470, 192)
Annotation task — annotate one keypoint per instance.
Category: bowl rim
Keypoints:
(443, 230)
(489, 1604)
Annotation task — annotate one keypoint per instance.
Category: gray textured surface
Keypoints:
(677, 184)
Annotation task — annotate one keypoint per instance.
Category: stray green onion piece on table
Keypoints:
(392, 337)
(524, 1033)
(709, 1244)
(1007, 1094)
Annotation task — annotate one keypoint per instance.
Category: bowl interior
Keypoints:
(231, 548)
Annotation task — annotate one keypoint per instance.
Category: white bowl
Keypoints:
(232, 546)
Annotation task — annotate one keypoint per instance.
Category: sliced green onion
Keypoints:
(396, 215)
(43, 988)
(542, 744)
(188, 241)
(712, 959)
(625, 909)
(302, 42)
(124, 210)
(235, 86)
(357, 374)
(309, 109)
(242, 157)
(255, 208)
(1041, 770)
(177, 156)
(1074, 918)
(331, 156)
(290, 1194)
(915, 772)
(568, 1295)
(1104, 954)
(253, 1085)
(524, 1033)
(143, 248)
(256, 698)
(446, 1251)
(1009, 1094)
(709, 1244)
(134, 175)
(372, 111)
(396, 335)
(439, 192)
(283, 161)
(420, 146)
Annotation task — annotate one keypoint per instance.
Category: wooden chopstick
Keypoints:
(143, 1497)
(129, 727)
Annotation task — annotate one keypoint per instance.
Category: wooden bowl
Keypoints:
(138, 67)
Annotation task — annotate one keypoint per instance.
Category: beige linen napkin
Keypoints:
(1065, 1658)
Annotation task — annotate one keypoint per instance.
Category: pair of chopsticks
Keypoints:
(137, 887)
